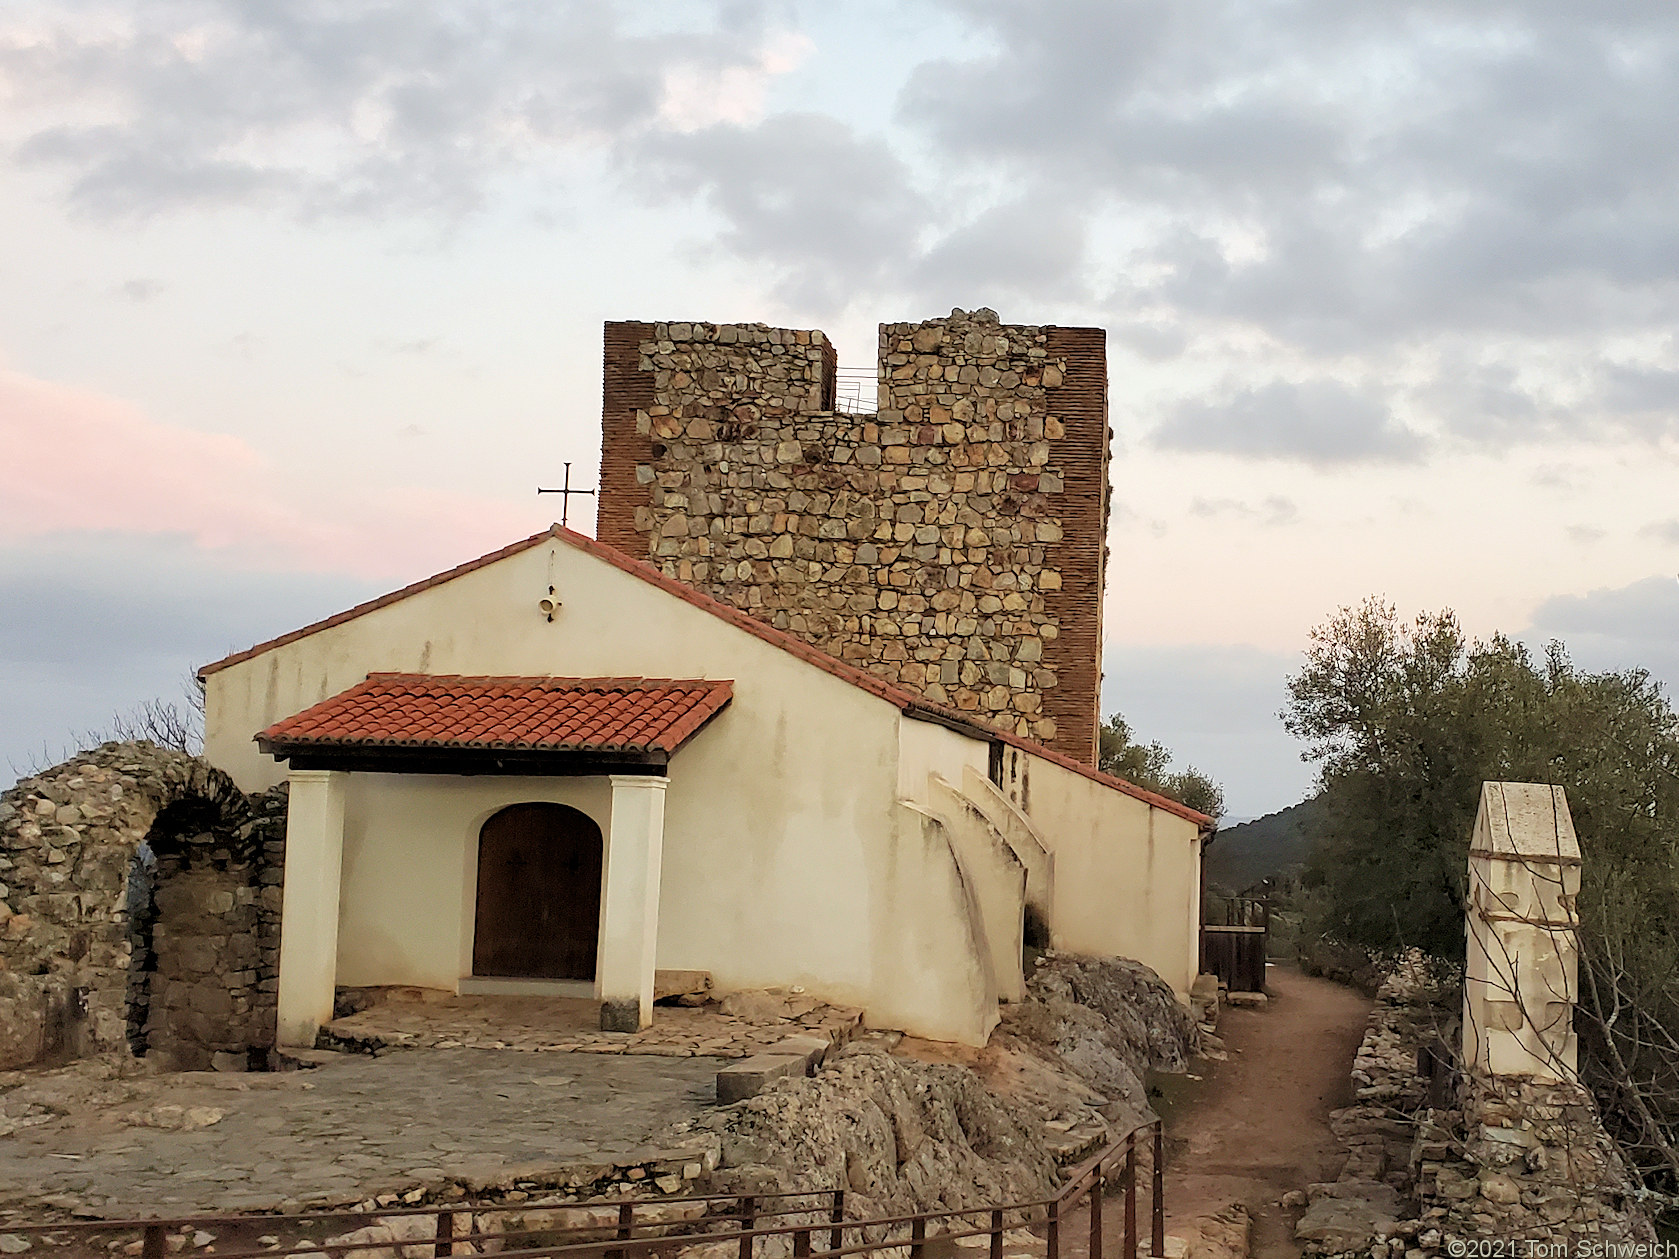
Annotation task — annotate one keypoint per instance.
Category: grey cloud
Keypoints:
(1274, 510)
(1490, 182)
(99, 623)
(1153, 341)
(1488, 400)
(141, 290)
(417, 347)
(1124, 518)
(1629, 627)
(1318, 422)
(1528, 136)
(361, 106)
(1432, 173)
(1563, 477)
(1646, 396)
(832, 211)
(1028, 248)
(1666, 530)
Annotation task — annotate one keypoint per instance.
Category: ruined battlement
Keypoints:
(951, 542)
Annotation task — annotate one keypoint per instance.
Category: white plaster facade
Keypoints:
(819, 831)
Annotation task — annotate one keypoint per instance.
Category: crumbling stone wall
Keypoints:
(952, 542)
(1517, 1157)
(215, 944)
(1437, 1155)
(98, 953)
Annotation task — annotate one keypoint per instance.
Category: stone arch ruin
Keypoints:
(139, 912)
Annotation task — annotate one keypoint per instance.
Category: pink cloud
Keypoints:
(76, 461)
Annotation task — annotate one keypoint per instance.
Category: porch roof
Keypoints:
(444, 723)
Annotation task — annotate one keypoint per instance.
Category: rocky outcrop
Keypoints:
(139, 907)
(1110, 1021)
(895, 1134)
(937, 1126)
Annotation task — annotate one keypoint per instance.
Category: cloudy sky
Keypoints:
(299, 301)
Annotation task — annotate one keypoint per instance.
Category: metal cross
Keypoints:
(565, 492)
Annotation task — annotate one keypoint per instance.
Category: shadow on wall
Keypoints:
(140, 913)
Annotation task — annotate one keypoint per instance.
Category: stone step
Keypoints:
(750, 1076)
(813, 1048)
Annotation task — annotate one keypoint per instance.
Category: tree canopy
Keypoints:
(1406, 720)
(1149, 765)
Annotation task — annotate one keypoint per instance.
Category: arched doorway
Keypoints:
(539, 882)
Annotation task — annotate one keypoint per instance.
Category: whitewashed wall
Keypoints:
(786, 859)
(1127, 874)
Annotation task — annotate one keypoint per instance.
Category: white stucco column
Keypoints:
(309, 914)
(629, 921)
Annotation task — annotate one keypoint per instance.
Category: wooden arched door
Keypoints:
(539, 881)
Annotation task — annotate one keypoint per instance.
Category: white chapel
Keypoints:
(567, 764)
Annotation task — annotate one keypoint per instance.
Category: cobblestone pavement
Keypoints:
(94, 1141)
(743, 1024)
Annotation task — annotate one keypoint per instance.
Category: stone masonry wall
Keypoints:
(214, 976)
(1524, 1158)
(92, 960)
(952, 543)
(1444, 1158)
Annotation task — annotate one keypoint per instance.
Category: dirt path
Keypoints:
(1258, 1125)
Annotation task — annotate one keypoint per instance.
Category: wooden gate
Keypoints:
(1235, 949)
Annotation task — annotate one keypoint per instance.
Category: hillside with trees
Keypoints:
(1272, 847)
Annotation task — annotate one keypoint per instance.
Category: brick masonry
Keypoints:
(951, 542)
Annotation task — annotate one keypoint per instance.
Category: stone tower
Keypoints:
(951, 542)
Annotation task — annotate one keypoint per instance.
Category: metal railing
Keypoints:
(856, 390)
(746, 1218)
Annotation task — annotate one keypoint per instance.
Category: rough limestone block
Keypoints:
(755, 1005)
(1346, 1215)
(750, 1076)
(813, 1049)
(681, 983)
(1247, 1000)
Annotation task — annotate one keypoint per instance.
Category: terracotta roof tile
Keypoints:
(537, 714)
(912, 704)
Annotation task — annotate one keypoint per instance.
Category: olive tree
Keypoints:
(1406, 719)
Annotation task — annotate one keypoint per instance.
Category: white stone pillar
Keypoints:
(309, 913)
(1522, 974)
(629, 921)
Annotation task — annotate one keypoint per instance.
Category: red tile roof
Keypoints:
(505, 714)
(910, 703)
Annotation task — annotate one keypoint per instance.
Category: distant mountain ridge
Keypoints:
(1264, 848)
